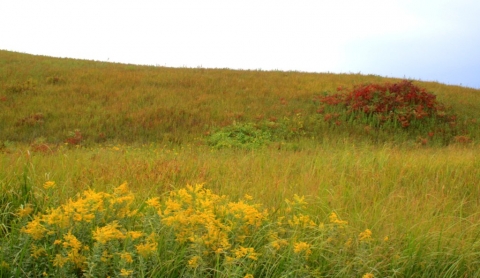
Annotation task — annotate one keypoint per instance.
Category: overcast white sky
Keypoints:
(432, 40)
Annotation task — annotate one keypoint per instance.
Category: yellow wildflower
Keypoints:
(122, 189)
(194, 262)
(125, 272)
(126, 256)
(134, 234)
(277, 244)
(299, 200)
(248, 252)
(49, 184)
(172, 206)
(334, 219)
(154, 202)
(24, 211)
(246, 212)
(127, 199)
(71, 241)
(368, 275)
(35, 229)
(185, 196)
(365, 235)
(59, 260)
(57, 217)
(147, 248)
(385, 238)
(302, 247)
(248, 276)
(108, 232)
(301, 220)
(247, 197)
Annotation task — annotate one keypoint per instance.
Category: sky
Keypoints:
(428, 40)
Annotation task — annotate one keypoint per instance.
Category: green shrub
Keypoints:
(239, 136)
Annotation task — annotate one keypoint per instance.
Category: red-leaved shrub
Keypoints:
(400, 103)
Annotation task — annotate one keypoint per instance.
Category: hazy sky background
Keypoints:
(431, 40)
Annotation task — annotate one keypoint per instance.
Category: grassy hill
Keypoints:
(51, 98)
(136, 171)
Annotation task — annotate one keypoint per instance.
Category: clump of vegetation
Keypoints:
(239, 135)
(22, 87)
(390, 106)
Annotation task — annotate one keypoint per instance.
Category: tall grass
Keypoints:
(424, 200)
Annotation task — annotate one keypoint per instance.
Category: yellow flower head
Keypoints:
(125, 272)
(301, 220)
(134, 234)
(147, 248)
(126, 256)
(122, 189)
(248, 252)
(35, 229)
(299, 200)
(334, 219)
(108, 232)
(154, 202)
(59, 260)
(49, 184)
(247, 197)
(71, 241)
(302, 247)
(368, 275)
(194, 262)
(24, 211)
(365, 235)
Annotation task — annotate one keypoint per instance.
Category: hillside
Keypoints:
(121, 170)
(53, 99)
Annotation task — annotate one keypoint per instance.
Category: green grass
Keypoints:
(160, 129)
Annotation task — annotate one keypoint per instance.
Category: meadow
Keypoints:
(141, 171)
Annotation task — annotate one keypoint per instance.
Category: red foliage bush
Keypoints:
(401, 102)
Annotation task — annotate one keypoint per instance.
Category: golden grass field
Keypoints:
(122, 170)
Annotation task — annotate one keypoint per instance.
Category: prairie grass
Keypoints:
(300, 198)
(50, 99)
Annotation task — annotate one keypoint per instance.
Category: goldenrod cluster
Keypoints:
(101, 234)
(209, 225)
(94, 222)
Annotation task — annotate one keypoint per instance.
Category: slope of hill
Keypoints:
(54, 99)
